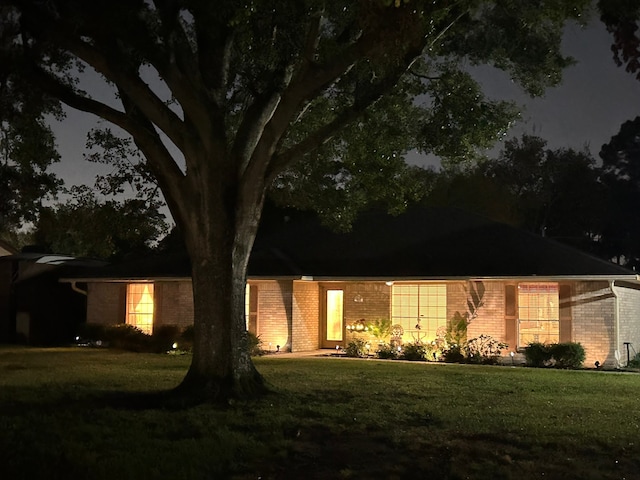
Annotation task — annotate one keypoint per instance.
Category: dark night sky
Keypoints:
(595, 98)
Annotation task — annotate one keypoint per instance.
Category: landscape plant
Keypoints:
(380, 328)
(484, 349)
(537, 354)
(386, 351)
(558, 355)
(567, 354)
(415, 352)
(356, 348)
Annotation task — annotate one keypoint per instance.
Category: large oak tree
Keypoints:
(223, 97)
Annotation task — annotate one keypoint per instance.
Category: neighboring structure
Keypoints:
(307, 284)
(6, 249)
(35, 307)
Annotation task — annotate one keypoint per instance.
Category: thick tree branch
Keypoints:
(327, 131)
(63, 33)
(159, 160)
(185, 74)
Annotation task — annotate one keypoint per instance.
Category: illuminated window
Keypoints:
(421, 309)
(140, 306)
(335, 302)
(538, 313)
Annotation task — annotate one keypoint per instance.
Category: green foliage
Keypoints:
(537, 354)
(567, 355)
(484, 349)
(453, 354)
(91, 227)
(380, 328)
(634, 362)
(254, 344)
(127, 337)
(386, 351)
(621, 18)
(415, 352)
(559, 355)
(27, 150)
(356, 348)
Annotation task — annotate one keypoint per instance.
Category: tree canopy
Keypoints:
(622, 19)
(222, 98)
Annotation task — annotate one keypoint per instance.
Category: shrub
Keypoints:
(567, 355)
(415, 352)
(254, 344)
(484, 349)
(453, 354)
(91, 334)
(537, 354)
(387, 352)
(380, 328)
(559, 355)
(356, 348)
(164, 337)
(128, 337)
(634, 362)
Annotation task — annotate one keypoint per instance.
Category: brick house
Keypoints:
(307, 285)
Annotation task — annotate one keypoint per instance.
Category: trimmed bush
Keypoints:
(386, 352)
(128, 337)
(453, 354)
(415, 352)
(537, 355)
(567, 355)
(558, 355)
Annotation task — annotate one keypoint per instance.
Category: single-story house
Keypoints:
(308, 285)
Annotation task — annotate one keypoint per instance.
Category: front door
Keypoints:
(333, 317)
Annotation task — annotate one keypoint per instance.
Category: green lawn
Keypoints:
(83, 413)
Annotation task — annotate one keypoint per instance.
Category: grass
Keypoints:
(80, 413)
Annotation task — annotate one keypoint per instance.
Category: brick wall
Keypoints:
(105, 303)
(173, 303)
(593, 314)
(274, 313)
(629, 320)
(305, 325)
(490, 317)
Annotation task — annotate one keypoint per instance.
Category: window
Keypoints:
(538, 313)
(421, 309)
(140, 306)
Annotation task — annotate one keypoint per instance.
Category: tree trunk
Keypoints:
(219, 250)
